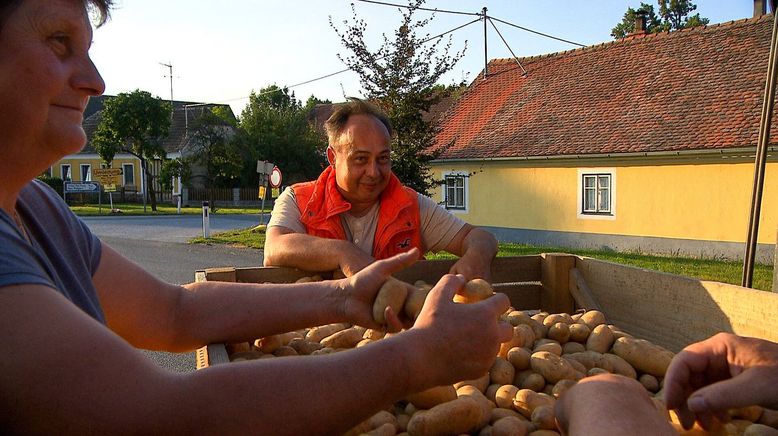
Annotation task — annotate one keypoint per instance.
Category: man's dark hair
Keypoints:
(337, 121)
(101, 9)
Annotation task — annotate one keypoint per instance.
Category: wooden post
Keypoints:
(554, 277)
(775, 268)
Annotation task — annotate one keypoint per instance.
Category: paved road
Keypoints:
(159, 245)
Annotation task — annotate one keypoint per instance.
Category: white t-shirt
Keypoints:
(438, 226)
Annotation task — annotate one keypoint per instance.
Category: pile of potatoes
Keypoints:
(547, 355)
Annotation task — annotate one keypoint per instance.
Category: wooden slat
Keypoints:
(675, 311)
(555, 278)
(272, 274)
(523, 296)
(516, 269)
(220, 274)
(581, 292)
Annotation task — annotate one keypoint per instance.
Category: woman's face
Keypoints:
(46, 77)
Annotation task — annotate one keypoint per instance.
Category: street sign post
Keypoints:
(83, 188)
(108, 178)
(265, 170)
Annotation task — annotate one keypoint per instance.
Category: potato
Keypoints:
(526, 401)
(769, 417)
(402, 421)
(579, 332)
(577, 365)
(649, 382)
(643, 355)
(596, 371)
(372, 423)
(592, 318)
(387, 429)
(543, 417)
(304, 347)
(285, 350)
(415, 302)
(505, 395)
(517, 317)
(501, 372)
(523, 336)
(238, 347)
(347, 338)
(480, 383)
(432, 397)
(750, 413)
(552, 367)
(510, 426)
(549, 345)
(620, 366)
(373, 334)
(475, 290)
(600, 339)
(557, 317)
(573, 347)
(529, 379)
(392, 294)
(519, 358)
(559, 332)
(499, 413)
(483, 402)
(491, 391)
(561, 387)
(316, 334)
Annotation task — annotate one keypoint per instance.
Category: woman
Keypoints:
(72, 310)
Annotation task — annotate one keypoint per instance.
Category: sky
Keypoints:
(222, 51)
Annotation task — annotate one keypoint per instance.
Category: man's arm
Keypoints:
(285, 247)
(476, 249)
(69, 374)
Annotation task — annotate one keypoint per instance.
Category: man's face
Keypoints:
(362, 160)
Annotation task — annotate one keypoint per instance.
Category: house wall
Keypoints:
(691, 206)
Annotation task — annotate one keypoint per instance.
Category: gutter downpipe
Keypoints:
(759, 164)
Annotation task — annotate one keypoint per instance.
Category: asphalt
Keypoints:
(158, 244)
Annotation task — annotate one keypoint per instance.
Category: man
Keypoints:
(358, 211)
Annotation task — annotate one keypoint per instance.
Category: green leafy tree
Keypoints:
(400, 77)
(673, 15)
(134, 123)
(275, 128)
(210, 150)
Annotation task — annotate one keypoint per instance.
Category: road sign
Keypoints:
(76, 187)
(109, 187)
(265, 167)
(105, 172)
(275, 177)
(262, 191)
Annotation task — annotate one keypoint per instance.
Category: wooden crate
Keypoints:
(667, 309)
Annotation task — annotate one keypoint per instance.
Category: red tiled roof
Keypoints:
(695, 89)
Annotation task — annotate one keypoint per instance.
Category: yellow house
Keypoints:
(641, 144)
(79, 167)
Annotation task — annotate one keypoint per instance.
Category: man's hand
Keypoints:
(360, 290)
(476, 248)
(720, 373)
(455, 341)
(473, 266)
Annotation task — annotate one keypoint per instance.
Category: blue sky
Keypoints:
(221, 51)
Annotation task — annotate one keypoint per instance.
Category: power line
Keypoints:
(424, 41)
(509, 47)
(421, 9)
(536, 32)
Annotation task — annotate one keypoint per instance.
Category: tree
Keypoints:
(210, 150)
(400, 77)
(673, 15)
(134, 123)
(276, 128)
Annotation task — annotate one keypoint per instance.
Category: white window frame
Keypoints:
(62, 172)
(88, 177)
(610, 173)
(124, 173)
(465, 191)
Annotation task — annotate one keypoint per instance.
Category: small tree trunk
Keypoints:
(152, 195)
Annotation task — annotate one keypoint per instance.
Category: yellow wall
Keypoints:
(75, 168)
(709, 201)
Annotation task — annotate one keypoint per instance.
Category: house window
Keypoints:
(64, 171)
(455, 191)
(86, 172)
(128, 171)
(596, 194)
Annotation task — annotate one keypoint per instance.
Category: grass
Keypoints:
(703, 269)
(162, 209)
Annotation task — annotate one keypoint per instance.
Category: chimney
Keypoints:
(640, 23)
(760, 8)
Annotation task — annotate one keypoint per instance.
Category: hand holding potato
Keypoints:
(453, 341)
(360, 291)
(720, 373)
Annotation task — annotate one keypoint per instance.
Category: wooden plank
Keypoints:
(555, 278)
(272, 274)
(581, 293)
(523, 296)
(220, 274)
(516, 269)
(674, 311)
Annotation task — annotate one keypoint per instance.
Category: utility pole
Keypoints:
(486, 56)
(170, 74)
